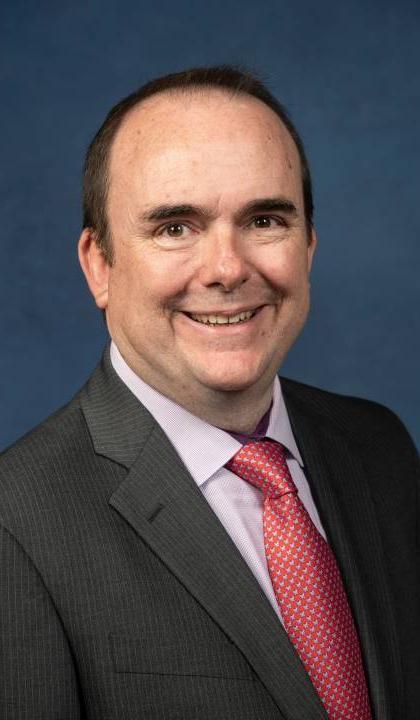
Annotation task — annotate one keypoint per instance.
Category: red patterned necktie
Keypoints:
(307, 584)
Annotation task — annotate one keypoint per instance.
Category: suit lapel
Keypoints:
(335, 469)
(163, 504)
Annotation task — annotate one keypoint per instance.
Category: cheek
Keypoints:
(286, 271)
(165, 276)
(153, 283)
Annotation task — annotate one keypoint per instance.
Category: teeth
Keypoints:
(223, 319)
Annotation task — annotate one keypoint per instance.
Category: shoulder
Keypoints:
(53, 448)
(361, 420)
(46, 441)
(34, 470)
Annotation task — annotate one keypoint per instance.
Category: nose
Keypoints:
(222, 261)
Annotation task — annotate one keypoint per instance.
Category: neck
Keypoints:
(238, 411)
(233, 410)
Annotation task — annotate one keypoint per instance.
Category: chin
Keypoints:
(229, 381)
(230, 386)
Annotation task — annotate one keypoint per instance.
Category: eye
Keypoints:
(266, 222)
(175, 235)
(174, 229)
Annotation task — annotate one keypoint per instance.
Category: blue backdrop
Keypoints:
(349, 74)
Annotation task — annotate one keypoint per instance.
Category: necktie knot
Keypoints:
(263, 464)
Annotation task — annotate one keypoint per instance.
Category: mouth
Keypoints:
(215, 319)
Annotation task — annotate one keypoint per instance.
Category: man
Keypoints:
(191, 537)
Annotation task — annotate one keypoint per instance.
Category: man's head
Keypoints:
(212, 243)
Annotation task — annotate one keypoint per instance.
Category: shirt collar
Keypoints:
(279, 427)
(202, 447)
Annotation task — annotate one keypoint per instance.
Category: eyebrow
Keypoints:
(279, 204)
(167, 212)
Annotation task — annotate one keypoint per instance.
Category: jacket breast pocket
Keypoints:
(177, 656)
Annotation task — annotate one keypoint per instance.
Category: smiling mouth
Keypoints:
(224, 319)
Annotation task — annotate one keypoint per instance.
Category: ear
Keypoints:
(95, 267)
(311, 247)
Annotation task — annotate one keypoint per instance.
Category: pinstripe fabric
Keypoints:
(108, 610)
(357, 474)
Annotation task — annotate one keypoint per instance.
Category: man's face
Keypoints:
(209, 286)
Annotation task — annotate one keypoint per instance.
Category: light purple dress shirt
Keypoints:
(205, 449)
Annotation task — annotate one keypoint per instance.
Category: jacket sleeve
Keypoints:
(37, 679)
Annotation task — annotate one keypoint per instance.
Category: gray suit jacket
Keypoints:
(122, 596)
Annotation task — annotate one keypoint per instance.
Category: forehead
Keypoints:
(191, 142)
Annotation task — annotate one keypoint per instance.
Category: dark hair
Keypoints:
(225, 77)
